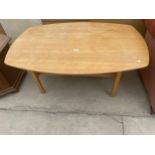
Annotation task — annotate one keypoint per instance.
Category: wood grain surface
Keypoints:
(79, 48)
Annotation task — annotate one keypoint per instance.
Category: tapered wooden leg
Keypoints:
(116, 83)
(36, 79)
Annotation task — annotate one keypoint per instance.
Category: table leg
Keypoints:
(37, 81)
(116, 83)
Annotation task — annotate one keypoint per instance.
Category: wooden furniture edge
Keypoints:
(16, 84)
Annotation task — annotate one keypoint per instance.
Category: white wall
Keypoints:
(14, 27)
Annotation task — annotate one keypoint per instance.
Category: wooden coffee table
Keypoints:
(79, 49)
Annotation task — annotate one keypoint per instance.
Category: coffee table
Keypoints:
(79, 49)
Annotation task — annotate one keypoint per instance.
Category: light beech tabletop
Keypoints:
(79, 48)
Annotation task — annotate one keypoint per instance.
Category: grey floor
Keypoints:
(75, 105)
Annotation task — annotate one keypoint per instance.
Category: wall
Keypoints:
(14, 27)
(1, 29)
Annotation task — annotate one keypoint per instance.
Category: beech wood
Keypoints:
(79, 48)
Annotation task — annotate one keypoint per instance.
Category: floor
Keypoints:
(76, 105)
